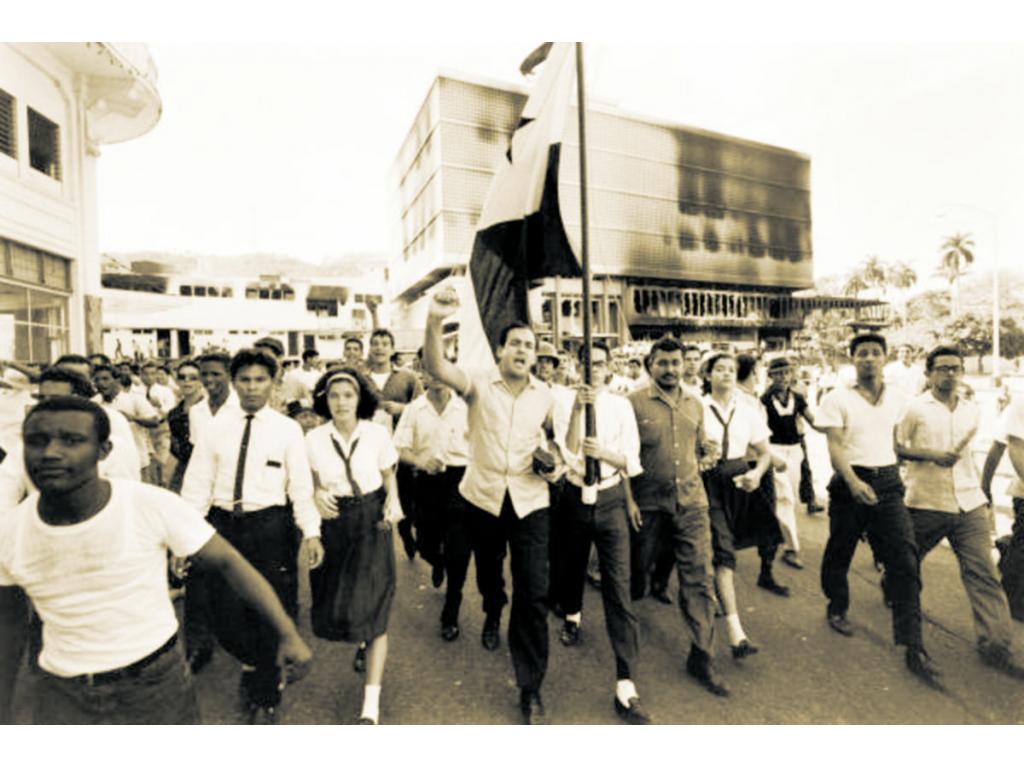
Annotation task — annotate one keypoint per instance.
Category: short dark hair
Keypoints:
(378, 332)
(102, 358)
(691, 348)
(941, 351)
(65, 403)
(98, 369)
(368, 400)
(187, 363)
(867, 338)
(80, 386)
(503, 336)
(745, 365)
(270, 342)
(667, 344)
(150, 364)
(596, 344)
(354, 340)
(309, 354)
(255, 356)
(223, 358)
(73, 359)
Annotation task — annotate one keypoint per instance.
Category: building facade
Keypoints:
(691, 232)
(59, 103)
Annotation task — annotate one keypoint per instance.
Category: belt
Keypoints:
(230, 513)
(132, 670)
(606, 484)
(891, 469)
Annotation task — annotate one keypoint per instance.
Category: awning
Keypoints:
(327, 292)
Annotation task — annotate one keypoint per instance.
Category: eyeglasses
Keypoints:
(948, 370)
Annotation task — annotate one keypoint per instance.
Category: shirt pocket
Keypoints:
(271, 474)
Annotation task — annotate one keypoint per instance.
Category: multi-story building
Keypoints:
(59, 102)
(692, 232)
(158, 310)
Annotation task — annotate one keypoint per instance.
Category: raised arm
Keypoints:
(443, 304)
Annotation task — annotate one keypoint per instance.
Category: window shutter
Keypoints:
(8, 125)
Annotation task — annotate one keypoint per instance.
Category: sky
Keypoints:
(914, 132)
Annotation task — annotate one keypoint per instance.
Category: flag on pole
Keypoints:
(520, 237)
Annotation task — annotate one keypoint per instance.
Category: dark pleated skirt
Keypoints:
(749, 517)
(353, 589)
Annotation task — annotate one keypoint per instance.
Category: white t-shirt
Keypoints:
(747, 426)
(374, 453)
(910, 379)
(100, 586)
(868, 430)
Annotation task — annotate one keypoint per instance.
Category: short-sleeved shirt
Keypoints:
(868, 430)
(930, 425)
(504, 432)
(670, 431)
(784, 417)
(100, 586)
(134, 405)
(200, 414)
(1011, 424)
(427, 433)
(746, 423)
(373, 453)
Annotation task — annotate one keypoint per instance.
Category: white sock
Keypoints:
(248, 668)
(575, 618)
(624, 691)
(371, 702)
(735, 629)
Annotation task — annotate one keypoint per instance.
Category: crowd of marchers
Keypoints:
(125, 487)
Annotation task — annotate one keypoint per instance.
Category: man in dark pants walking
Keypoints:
(866, 496)
(506, 501)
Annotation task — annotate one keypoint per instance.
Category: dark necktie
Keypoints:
(725, 430)
(240, 469)
(347, 461)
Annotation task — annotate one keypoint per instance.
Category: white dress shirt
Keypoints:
(276, 467)
(199, 415)
(930, 425)
(615, 425)
(747, 423)
(134, 405)
(429, 434)
(374, 453)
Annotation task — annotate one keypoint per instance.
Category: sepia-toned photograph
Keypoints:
(401, 379)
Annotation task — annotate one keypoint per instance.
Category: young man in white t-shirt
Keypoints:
(866, 496)
(91, 555)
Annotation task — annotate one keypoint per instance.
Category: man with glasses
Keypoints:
(945, 498)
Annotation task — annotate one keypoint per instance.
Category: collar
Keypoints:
(929, 397)
(258, 416)
(532, 382)
(356, 433)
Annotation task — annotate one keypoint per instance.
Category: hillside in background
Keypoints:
(157, 262)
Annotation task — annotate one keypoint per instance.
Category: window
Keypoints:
(186, 290)
(43, 144)
(200, 290)
(227, 293)
(8, 125)
(212, 291)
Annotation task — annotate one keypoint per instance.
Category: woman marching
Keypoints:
(353, 462)
(191, 390)
(736, 510)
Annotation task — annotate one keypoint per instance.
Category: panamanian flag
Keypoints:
(520, 236)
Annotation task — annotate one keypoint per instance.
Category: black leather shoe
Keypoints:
(490, 638)
(449, 632)
(792, 559)
(814, 508)
(999, 657)
(263, 716)
(743, 649)
(533, 709)
(359, 660)
(570, 634)
(662, 596)
(197, 660)
(366, 721)
(437, 576)
(634, 714)
(703, 671)
(921, 666)
(767, 581)
(840, 624)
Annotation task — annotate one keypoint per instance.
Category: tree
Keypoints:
(855, 284)
(874, 273)
(970, 332)
(957, 255)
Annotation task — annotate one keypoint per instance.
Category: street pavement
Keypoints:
(804, 674)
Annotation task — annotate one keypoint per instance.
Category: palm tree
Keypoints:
(874, 273)
(956, 257)
(902, 277)
(855, 284)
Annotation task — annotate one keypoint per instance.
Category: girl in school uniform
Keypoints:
(353, 462)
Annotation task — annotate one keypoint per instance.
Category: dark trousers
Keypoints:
(527, 541)
(436, 496)
(606, 525)
(198, 630)
(1011, 563)
(269, 540)
(807, 495)
(557, 548)
(405, 480)
(689, 531)
(890, 533)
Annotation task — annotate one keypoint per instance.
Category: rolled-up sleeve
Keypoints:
(630, 436)
(300, 485)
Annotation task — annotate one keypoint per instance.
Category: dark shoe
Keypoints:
(366, 721)
(704, 673)
(744, 649)
(920, 665)
(634, 714)
(814, 508)
(263, 716)
(533, 709)
(840, 624)
(437, 576)
(490, 638)
(570, 634)
(449, 632)
(999, 657)
(408, 541)
(767, 581)
(197, 660)
(359, 660)
(792, 559)
(661, 595)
